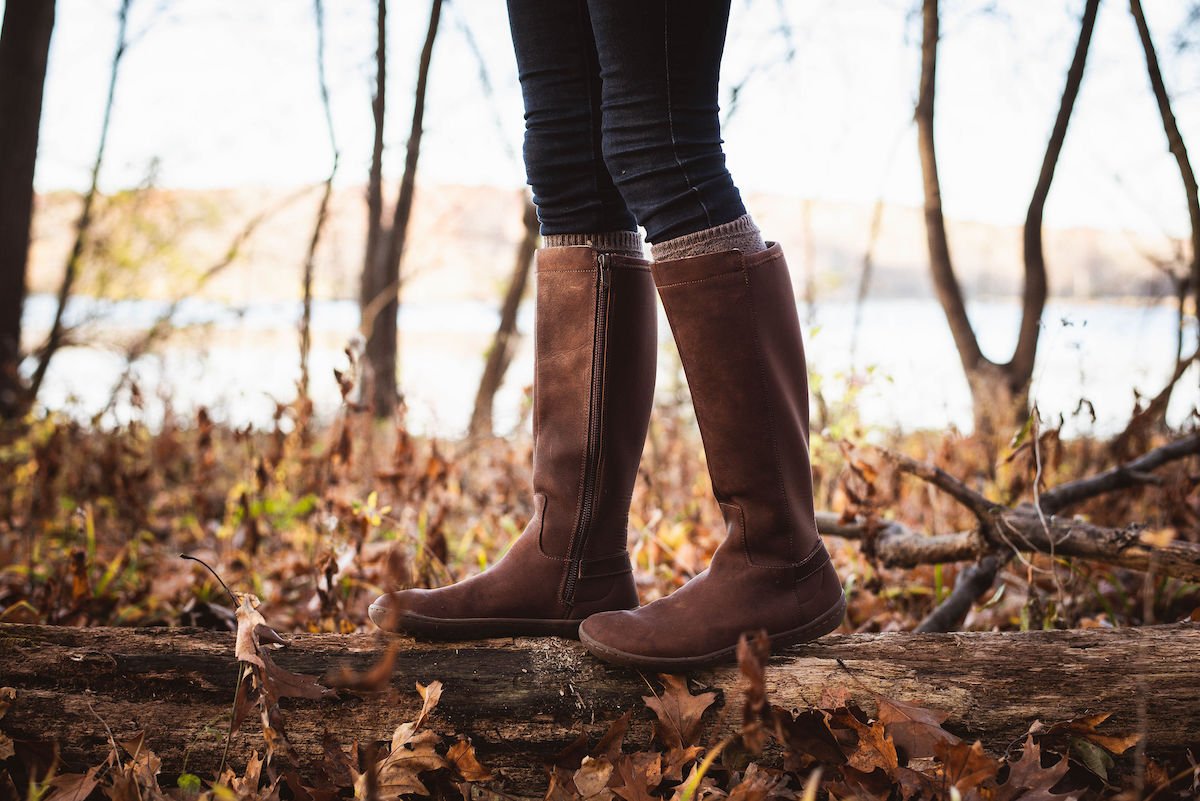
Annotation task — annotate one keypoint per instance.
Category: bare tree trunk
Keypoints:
(24, 45)
(82, 227)
(322, 209)
(1020, 368)
(999, 391)
(503, 344)
(372, 259)
(1174, 142)
(382, 340)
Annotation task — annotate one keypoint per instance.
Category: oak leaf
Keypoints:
(637, 775)
(678, 712)
(874, 748)
(1028, 780)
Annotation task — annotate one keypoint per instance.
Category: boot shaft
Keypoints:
(738, 333)
(595, 348)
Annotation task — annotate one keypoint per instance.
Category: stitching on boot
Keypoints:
(762, 376)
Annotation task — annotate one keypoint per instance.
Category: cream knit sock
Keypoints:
(622, 243)
(740, 234)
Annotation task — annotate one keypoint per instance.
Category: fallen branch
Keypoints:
(1023, 529)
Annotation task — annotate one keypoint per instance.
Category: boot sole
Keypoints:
(470, 628)
(822, 625)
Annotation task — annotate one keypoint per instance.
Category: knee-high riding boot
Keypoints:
(595, 349)
(734, 320)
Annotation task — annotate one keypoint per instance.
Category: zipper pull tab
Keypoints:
(604, 262)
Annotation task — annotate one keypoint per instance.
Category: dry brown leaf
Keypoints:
(915, 730)
(807, 735)
(1085, 727)
(73, 786)
(637, 775)
(758, 784)
(752, 655)
(246, 645)
(678, 712)
(874, 748)
(430, 694)
(280, 683)
(966, 766)
(593, 775)
(610, 744)
(398, 773)
(676, 759)
(1028, 780)
(462, 757)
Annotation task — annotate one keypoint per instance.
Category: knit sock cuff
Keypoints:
(622, 242)
(740, 234)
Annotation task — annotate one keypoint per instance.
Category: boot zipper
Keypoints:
(595, 412)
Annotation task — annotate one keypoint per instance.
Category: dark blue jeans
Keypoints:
(621, 122)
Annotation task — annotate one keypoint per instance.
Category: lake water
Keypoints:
(238, 360)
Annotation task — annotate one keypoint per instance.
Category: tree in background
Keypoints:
(380, 296)
(24, 45)
(999, 391)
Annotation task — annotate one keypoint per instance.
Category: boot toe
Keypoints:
(389, 610)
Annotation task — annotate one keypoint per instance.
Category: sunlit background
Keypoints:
(218, 108)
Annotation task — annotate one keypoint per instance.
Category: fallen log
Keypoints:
(520, 701)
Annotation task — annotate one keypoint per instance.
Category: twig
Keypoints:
(1131, 473)
(980, 506)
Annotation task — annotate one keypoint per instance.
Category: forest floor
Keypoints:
(308, 523)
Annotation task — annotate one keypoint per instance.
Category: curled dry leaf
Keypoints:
(752, 655)
(413, 752)
(1085, 727)
(966, 766)
(462, 757)
(915, 730)
(593, 775)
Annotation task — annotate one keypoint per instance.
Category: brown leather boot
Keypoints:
(595, 347)
(735, 323)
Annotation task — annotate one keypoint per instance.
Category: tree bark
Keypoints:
(24, 46)
(520, 701)
(373, 284)
(503, 344)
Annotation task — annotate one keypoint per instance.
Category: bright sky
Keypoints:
(224, 93)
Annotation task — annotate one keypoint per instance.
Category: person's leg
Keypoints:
(660, 61)
(732, 310)
(560, 84)
(595, 344)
